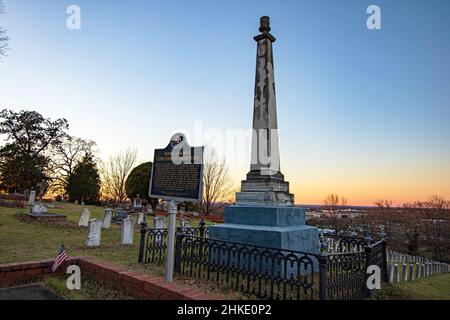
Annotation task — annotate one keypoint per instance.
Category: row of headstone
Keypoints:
(332, 245)
(399, 257)
(95, 227)
(95, 232)
(160, 223)
(412, 271)
(107, 218)
(127, 227)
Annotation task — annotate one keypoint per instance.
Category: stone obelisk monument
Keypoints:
(264, 213)
(265, 184)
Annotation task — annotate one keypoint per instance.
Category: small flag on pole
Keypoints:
(62, 256)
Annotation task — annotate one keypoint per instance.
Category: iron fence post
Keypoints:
(202, 228)
(142, 242)
(368, 253)
(323, 278)
(178, 250)
(385, 266)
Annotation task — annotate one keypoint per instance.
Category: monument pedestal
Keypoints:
(265, 214)
(267, 226)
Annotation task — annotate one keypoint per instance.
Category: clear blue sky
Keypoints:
(361, 113)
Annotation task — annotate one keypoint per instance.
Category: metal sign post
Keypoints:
(172, 217)
(177, 176)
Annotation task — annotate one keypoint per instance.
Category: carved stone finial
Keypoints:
(264, 24)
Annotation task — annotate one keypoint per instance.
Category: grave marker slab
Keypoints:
(94, 233)
(107, 219)
(127, 232)
(140, 218)
(84, 218)
(32, 198)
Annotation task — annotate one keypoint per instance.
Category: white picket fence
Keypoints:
(405, 267)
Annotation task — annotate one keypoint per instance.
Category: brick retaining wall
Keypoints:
(135, 284)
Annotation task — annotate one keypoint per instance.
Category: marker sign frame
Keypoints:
(177, 171)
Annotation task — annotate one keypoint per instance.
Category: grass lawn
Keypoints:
(436, 287)
(90, 290)
(22, 241)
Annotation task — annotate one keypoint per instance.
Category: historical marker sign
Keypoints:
(177, 171)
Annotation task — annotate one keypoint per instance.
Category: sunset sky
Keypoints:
(362, 113)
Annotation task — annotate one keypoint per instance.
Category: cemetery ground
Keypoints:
(22, 241)
(436, 287)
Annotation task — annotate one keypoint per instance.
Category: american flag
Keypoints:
(62, 256)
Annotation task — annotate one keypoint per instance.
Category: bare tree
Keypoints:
(65, 157)
(383, 214)
(333, 203)
(217, 183)
(3, 36)
(436, 226)
(114, 173)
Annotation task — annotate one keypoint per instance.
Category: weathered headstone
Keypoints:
(120, 215)
(137, 203)
(140, 218)
(107, 219)
(94, 233)
(32, 198)
(411, 272)
(39, 208)
(184, 224)
(404, 272)
(396, 274)
(391, 273)
(127, 232)
(159, 223)
(84, 218)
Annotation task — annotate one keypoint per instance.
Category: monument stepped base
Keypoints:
(268, 226)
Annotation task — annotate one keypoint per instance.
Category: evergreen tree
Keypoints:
(24, 157)
(138, 182)
(84, 183)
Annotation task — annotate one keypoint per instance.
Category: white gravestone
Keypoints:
(184, 224)
(159, 223)
(94, 233)
(39, 208)
(137, 203)
(84, 219)
(140, 218)
(127, 232)
(31, 198)
(107, 219)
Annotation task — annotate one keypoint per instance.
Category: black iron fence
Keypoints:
(338, 272)
(265, 273)
(153, 245)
